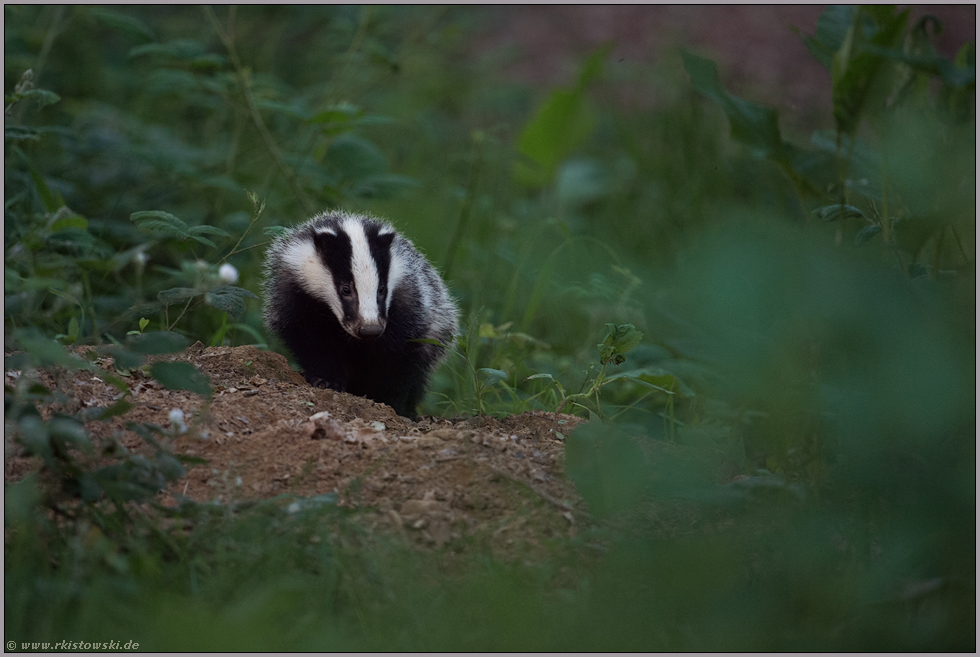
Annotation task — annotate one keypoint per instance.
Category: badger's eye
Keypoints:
(346, 290)
(382, 291)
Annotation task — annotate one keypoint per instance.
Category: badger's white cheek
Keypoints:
(313, 277)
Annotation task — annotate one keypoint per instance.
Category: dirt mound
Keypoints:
(266, 433)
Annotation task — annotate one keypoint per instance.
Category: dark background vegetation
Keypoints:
(806, 298)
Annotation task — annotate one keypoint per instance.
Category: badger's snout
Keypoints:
(369, 331)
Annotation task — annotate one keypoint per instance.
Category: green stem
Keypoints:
(959, 245)
(465, 210)
(186, 306)
(256, 213)
(42, 58)
(246, 87)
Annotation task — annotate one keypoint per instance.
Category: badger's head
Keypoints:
(346, 262)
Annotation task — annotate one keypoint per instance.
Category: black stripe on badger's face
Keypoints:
(379, 243)
(333, 248)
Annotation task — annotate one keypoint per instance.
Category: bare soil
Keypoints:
(267, 433)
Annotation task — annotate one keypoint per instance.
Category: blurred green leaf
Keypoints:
(196, 231)
(34, 436)
(69, 431)
(181, 376)
(42, 97)
(170, 467)
(160, 224)
(620, 340)
(186, 49)
(866, 233)
(175, 294)
(832, 28)
(20, 500)
(124, 359)
(157, 342)
(105, 413)
(581, 181)
(492, 376)
(559, 126)
(73, 330)
(123, 22)
(20, 133)
(229, 299)
(70, 221)
(50, 200)
(838, 212)
(606, 466)
(754, 125)
(855, 70)
(44, 351)
(275, 231)
(355, 157)
(958, 76)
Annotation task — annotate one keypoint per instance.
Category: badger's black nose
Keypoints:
(370, 330)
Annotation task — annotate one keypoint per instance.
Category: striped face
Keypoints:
(348, 264)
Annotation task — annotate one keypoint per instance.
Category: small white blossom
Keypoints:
(141, 259)
(177, 421)
(228, 274)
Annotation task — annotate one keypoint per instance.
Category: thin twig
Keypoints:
(328, 95)
(354, 47)
(564, 506)
(242, 250)
(186, 306)
(267, 137)
(42, 58)
(465, 210)
(256, 213)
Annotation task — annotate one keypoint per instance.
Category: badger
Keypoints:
(349, 295)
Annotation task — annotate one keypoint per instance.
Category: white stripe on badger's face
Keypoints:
(396, 272)
(365, 272)
(301, 257)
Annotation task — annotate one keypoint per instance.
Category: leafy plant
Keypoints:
(880, 73)
(786, 460)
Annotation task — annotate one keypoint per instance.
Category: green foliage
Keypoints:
(560, 125)
(880, 77)
(782, 457)
(620, 340)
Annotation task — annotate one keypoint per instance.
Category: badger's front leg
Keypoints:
(322, 367)
(321, 382)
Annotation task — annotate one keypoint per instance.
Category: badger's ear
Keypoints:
(385, 240)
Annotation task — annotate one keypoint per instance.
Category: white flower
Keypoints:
(141, 258)
(228, 274)
(177, 420)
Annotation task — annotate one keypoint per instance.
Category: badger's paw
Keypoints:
(319, 382)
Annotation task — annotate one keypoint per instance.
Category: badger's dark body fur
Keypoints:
(347, 294)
